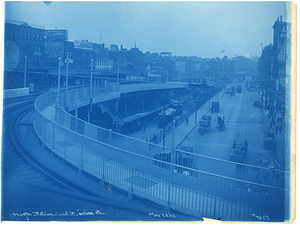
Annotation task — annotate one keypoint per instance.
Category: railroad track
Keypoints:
(20, 168)
(16, 161)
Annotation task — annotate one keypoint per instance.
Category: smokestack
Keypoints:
(280, 18)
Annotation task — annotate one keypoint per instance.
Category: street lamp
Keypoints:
(25, 70)
(68, 60)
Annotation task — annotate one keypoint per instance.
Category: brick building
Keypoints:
(22, 39)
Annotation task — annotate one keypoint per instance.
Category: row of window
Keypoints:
(26, 48)
(25, 35)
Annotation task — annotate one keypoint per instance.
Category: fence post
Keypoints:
(215, 206)
(130, 193)
(76, 118)
(109, 141)
(172, 161)
(103, 168)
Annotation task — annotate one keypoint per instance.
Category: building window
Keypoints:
(12, 33)
(28, 35)
(33, 36)
(37, 50)
(16, 33)
(37, 37)
(25, 35)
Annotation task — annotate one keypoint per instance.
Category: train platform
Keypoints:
(123, 175)
(181, 132)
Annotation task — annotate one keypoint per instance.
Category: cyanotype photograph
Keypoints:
(161, 111)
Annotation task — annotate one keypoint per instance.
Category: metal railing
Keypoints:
(192, 183)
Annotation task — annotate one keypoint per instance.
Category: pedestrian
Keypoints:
(187, 121)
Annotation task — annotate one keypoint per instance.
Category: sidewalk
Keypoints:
(278, 156)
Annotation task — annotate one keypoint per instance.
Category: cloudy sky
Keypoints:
(194, 28)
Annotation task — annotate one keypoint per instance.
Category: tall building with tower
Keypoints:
(281, 53)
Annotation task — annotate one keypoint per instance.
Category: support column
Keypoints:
(90, 110)
(143, 104)
(117, 106)
(98, 85)
(117, 119)
(76, 117)
(125, 109)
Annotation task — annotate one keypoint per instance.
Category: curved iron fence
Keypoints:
(188, 182)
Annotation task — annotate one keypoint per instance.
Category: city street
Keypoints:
(242, 121)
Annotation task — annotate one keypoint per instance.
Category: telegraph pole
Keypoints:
(25, 70)
(58, 77)
(92, 62)
(67, 73)
(91, 90)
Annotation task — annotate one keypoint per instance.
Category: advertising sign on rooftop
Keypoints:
(57, 35)
(83, 45)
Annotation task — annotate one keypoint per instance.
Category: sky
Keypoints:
(195, 28)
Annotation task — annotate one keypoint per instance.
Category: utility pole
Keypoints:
(92, 62)
(91, 90)
(118, 76)
(67, 73)
(58, 77)
(25, 70)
